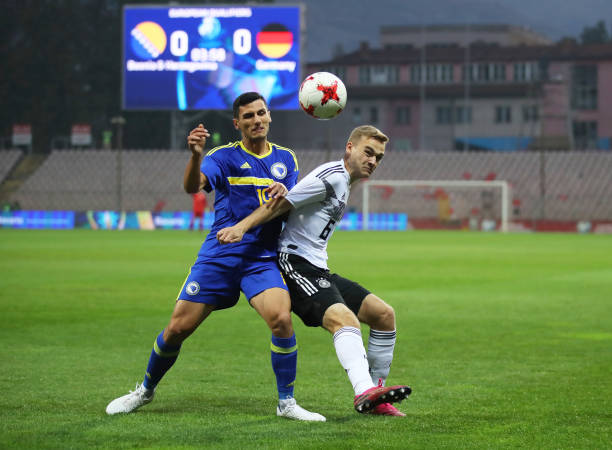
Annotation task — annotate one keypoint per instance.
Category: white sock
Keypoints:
(380, 354)
(352, 356)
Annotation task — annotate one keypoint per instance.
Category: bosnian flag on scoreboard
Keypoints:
(274, 41)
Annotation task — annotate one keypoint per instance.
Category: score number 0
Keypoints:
(179, 44)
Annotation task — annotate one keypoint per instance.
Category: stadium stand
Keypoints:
(8, 159)
(545, 185)
(71, 179)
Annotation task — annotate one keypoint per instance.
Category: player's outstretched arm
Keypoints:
(266, 212)
(193, 179)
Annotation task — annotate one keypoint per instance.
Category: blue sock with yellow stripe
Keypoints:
(284, 364)
(161, 359)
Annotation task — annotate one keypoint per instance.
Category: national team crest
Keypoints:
(192, 288)
(323, 283)
(279, 170)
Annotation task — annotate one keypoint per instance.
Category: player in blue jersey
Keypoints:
(244, 175)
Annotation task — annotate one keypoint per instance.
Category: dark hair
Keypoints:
(245, 99)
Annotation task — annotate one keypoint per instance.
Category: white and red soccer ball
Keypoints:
(322, 95)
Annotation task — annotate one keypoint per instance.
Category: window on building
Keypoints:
(585, 135)
(466, 72)
(339, 71)
(431, 73)
(543, 70)
(531, 113)
(584, 87)
(503, 114)
(394, 74)
(444, 115)
(379, 74)
(402, 115)
(402, 144)
(364, 75)
(499, 72)
(445, 73)
(356, 115)
(415, 73)
(463, 114)
(520, 72)
(484, 72)
(526, 71)
(373, 114)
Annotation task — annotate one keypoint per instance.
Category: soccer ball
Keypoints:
(322, 95)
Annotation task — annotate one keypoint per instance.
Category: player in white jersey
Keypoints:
(321, 298)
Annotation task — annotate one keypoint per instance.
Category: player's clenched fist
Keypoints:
(197, 139)
(230, 235)
(276, 189)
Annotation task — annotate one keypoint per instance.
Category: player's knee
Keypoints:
(377, 314)
(280, 323)
(177, 331)
(338, 316)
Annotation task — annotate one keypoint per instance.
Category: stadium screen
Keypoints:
(187, 58)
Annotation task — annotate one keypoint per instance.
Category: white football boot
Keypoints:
(130, 402)
(291, 410)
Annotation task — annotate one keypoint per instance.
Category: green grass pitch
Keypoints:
(506, 341)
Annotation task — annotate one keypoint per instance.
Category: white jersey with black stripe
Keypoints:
(319, 201)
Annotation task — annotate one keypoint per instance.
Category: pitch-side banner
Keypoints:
(167, 220)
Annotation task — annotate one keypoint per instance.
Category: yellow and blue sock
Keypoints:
(161, 359)
(284, 364)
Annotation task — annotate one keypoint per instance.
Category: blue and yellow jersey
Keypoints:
(239, 179)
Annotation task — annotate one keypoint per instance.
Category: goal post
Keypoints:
(426, 186)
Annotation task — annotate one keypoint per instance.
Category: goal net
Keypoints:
(482, 205)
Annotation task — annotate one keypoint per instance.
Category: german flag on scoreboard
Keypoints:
(274, 41)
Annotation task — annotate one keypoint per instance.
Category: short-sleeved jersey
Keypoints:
(239, 178)
(319, 201)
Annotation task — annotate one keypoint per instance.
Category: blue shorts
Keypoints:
(219, 281)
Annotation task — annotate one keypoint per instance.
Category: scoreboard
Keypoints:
(191, 58)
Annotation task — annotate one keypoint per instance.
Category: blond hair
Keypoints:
(367, 131)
